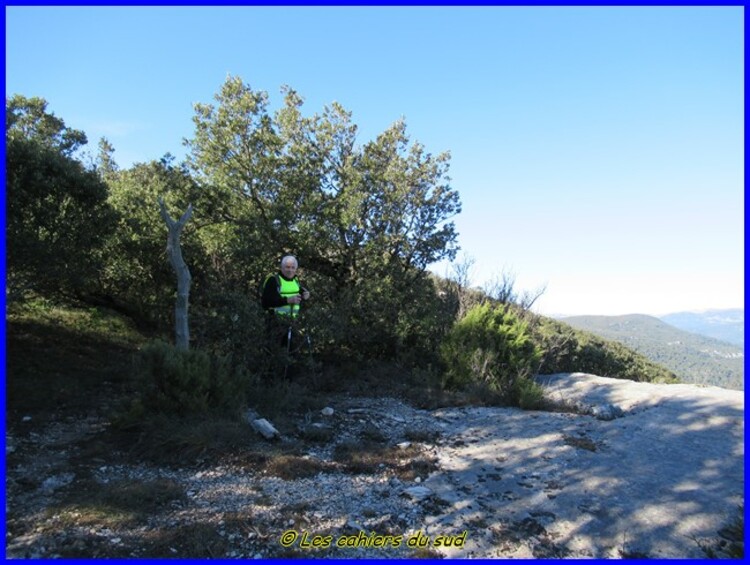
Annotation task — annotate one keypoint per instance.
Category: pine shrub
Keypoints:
(491, 346)
(186, 383)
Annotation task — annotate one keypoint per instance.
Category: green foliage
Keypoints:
(137, 273)
(694, 358)
(491, 346)
(83, 322)
(365, 222)
(28, 119)
(57, 214)
(390, 316)
(64, 357)
(565, 350)
(530, 395)
(185, 383)
(364, 219)
(232, 325)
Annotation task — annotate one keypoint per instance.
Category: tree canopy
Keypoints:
(57, 214)
(302, 184)
(365, 219)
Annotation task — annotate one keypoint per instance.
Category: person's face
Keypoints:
(288, 269)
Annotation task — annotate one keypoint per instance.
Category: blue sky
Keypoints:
(597, 150)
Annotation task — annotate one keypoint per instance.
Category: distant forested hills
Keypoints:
(693, 358)
(725, 325)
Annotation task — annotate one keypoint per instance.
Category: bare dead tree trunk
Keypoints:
(461, 278)
(182, 330)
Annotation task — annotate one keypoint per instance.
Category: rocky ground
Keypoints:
(628, 470)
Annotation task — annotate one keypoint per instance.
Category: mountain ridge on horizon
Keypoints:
(699, 311)
(723, 324)
(694, 357)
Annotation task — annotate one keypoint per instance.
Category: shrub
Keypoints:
(530, 395)
(731, 541)
(186, 383)
(568, 350)
(491, 346)
(231, 325)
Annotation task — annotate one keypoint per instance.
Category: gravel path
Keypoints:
(640, 470)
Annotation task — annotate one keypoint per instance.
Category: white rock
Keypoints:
(417, 493)
(327, 411)
(265, 428)
(57, 481)
(354, 525)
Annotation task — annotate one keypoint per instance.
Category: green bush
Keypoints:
(231, 325)
(186, 383)
(491, 346)
(568, 350)
(529, 394)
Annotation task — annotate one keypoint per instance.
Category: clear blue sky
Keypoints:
(598, 151)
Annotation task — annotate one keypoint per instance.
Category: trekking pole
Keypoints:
(288, 350)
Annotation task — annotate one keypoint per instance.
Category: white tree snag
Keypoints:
(182, 331)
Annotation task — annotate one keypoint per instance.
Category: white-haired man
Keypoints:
(283, 294)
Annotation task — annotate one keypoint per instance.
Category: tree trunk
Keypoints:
(182, 330)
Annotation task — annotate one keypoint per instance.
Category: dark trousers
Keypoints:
(279, 330)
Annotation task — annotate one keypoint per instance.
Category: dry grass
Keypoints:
(180, 441)
(291, 467)
(730, 543)
(580, 443)
(62, 359)
(423, 436)
(316, 434)
(426, 553)
(367, 457)
(199, 540)
(116, 504)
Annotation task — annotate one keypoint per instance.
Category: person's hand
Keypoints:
(296, 299)
(306, 295)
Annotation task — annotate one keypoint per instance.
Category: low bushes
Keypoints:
(186, 383)
(492, 347)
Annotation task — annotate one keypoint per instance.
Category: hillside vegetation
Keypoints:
(365, 219)
(573, 350)
(92, 307)
(68, 361)
(694, 358)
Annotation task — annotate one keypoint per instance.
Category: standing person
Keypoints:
(282, 296)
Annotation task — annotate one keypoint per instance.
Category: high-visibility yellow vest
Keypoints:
(287, 289)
